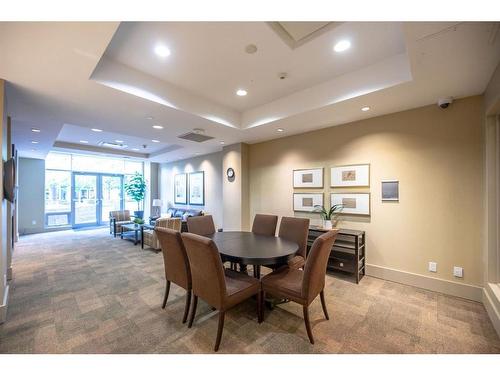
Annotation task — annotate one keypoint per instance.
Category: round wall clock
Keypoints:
(230, 173)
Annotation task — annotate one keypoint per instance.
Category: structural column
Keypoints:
(235, 190)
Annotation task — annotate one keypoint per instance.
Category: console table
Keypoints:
(348, 251)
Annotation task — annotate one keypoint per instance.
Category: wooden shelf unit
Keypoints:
(348, 252)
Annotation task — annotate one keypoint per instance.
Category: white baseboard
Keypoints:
(453, 288)
(491, 301)
(3, 306)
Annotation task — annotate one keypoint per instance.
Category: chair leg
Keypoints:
(193, 310)
(323, 304)
(308, 324)
(186, 308)
(219, 330)
(167, 290)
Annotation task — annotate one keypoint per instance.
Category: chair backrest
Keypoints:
(315, 268)
(120, 215)
(207, 272)
(295, 229)
(265, 224)
(202, 225)
(171, 223)
(175, 257)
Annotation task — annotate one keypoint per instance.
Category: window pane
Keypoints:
(85, 163)
(55, 160)
(57, 191)
(133, 166)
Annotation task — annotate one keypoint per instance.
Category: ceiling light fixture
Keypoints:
(84, 141)
(241, 92)
(162, 50)
(280, 130)
(155, 141)
(96, 130)
(149, 117)
(35, 130)
(222, 142)
(118, 141)
(342, 46)
(157, 126)
(135, 149)
(34, 142)
(364, 109)
(33, 150)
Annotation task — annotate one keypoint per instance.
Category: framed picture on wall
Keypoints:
(390, 190)
(180, 188)
(308, 178)
(350, 176)
(197, 188)
(305, 202)
(352, 203)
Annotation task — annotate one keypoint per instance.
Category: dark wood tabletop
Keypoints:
(254, 249)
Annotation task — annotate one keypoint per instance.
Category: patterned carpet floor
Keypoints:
(87, 292)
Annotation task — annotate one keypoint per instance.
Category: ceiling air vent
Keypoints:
(197, 135)
(112, 145)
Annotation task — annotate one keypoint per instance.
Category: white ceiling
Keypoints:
(83, 74)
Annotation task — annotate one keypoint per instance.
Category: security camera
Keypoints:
(445, 102)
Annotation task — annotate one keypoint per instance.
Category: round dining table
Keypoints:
(257, 250)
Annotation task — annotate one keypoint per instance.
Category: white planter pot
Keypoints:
(327, 224)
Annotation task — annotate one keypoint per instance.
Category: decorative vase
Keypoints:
(139, 214)
(327, 224)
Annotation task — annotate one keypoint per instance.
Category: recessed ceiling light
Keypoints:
(222, 142)
(149, 117)
(34, 142)
(96, 130)
(162, 50)
(135, 149)
(157, 126)
(118, 141)
(342, 46)
(35, 130)
(280, 130)
(84, 141)
(241, 92)
(33, 150)
(364, 109)
(155, 141)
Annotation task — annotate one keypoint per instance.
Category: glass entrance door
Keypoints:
(111, 195)
(93, 196)
(85, 202)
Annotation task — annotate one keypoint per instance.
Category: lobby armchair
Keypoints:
(150, 237)
(117, 219)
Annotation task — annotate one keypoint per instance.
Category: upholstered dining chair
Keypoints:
(176, 263)
(303, 286)
(219, 287)
(202, 225)
(117, 219)
(150, 237)
(265, 224)
(296, 230)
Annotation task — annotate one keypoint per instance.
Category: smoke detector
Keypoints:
(250, 49)
(282, 75)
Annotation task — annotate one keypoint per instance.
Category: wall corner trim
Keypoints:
(467, 291)
(3, 306)
(491, 302)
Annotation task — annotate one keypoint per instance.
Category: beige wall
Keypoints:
(212, 166)
(31, 196)
(437, 157)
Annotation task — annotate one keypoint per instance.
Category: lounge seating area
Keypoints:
(249, 185)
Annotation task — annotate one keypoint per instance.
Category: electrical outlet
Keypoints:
(458, 271)
(433, 266)
(33, 222)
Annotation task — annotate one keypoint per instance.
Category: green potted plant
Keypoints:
(136, 189)
(330, 215)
